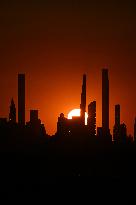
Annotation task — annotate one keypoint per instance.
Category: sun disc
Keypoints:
(76, 112)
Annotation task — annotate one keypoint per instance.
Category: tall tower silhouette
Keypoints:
(105, 102)
(117, 126)
(83, 101)
(91, 121)
(21, 99)
(117, 115)
(12, 113)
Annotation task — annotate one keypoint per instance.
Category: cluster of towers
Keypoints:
(34, 123)
(21, 104)
(79, 122)
(76, 125)
(65, 125)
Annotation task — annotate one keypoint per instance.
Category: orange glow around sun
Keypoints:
(76, 112)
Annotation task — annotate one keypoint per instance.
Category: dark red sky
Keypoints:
(55, 42)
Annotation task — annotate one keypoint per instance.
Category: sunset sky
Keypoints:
(55, 42)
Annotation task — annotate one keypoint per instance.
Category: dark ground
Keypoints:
(41, 171)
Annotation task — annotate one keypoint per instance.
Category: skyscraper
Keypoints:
(117, 115)
(12, 113)
(117, 128)
(21, 99)
(105, 102)
(33, 116)
(91, 121)
(83, 101)
(123, 133)
(62, 126)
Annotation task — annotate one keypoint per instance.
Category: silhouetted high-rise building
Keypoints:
(34, 125)
(83, 101)
(99, 132)
(123, 133)
(21, 99)
(62, 126)
(91, 121)
(135, 130)
(116, 129)
(105, 102)
(33, 116)
(12, 113)
(117, 115)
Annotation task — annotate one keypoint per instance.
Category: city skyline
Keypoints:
(54, 43)
(58, 58)
(91, 106)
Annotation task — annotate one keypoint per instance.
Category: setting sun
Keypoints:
(76, 112)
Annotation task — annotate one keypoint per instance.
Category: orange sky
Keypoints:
(55, 43)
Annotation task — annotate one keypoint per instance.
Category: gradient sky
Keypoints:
(55, 42)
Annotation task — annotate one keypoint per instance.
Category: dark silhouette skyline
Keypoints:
(57, 42)
(66, 126)
(56, 56)
(35, 158)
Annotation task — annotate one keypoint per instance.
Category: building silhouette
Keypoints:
(34, 125)
(12, 112)
(123, 134)
(83, 101)
(99, 132)
(21, 99)
(33, 116)
(116, 129)
(117, 115)
(91, 121)
(62, 125)
(105, 103)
